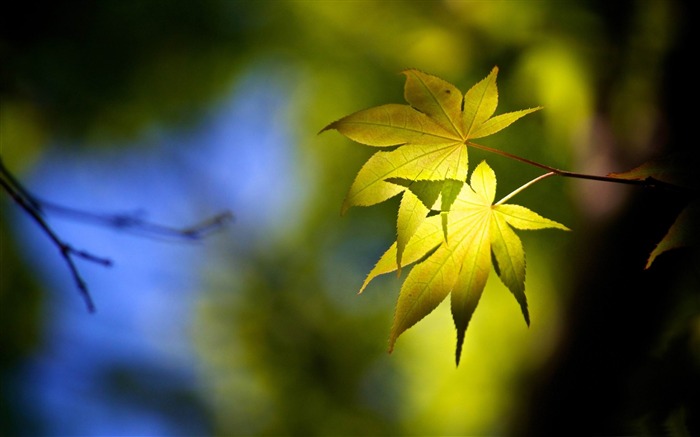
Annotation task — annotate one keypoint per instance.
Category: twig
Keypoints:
(648, 182)
(131, 222)
(25, 201)
(36, 209)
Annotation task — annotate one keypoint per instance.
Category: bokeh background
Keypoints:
(174, 111)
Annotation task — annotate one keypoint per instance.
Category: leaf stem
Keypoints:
(521, 188)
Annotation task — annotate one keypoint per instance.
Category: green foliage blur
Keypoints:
(286, 346)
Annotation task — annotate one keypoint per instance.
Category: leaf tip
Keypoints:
(396, 332)
(460, 343)
(368, 279)
(330, 126)
(411, 70)
(392, 341)
(526, 315)
(652, 257)
(562, 227)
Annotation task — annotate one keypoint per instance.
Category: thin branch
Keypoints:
(207, 226)
(22, 198)
(18, 188)
(133, 223)
(36, 209)
(648, 182)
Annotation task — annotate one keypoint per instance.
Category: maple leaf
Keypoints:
(675, 172)
(480, 231)
(428, 137)
(418, 200)
(682, 233)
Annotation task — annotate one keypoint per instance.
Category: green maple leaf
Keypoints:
(675, 172)
(418, 200)
(428, 138)
(682, 233)
(479, 232)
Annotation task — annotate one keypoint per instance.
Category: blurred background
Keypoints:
(175, 111)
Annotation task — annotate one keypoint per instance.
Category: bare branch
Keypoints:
(29, 204)
(647, 183)
(132, 222)
(37, 208)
